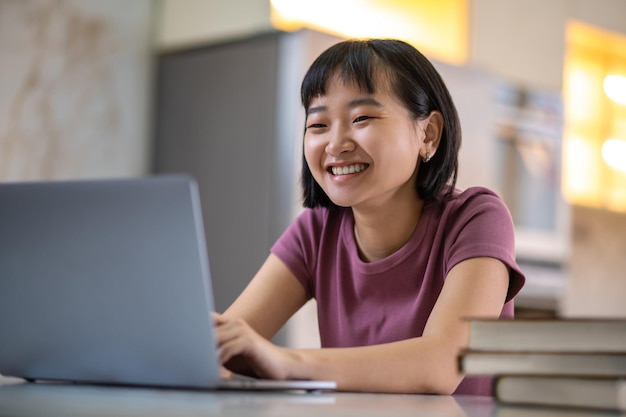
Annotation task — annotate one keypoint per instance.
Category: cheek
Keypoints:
(399, 157)
(402, 163)
(413, 145)
(313, 150)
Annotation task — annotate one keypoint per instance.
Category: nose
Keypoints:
(339, 142)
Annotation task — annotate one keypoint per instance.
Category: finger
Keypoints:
(232, 341)
(229, 330)
(225, 373)
(232, 328)
(230, 349)
(218, 318)
(225, 335)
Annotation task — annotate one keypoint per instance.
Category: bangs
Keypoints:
(354, 63)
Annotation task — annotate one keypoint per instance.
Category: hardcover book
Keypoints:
(472, 362)
(593, 393)
(548, 335)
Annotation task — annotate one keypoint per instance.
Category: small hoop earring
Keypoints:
(427, 158)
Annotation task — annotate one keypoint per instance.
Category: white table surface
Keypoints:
(18, 398)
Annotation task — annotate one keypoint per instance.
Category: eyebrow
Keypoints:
(368, 101)
(316, 109)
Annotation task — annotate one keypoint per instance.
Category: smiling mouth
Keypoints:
(350, 169)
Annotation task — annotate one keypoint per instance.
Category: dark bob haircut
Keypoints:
(413, 79)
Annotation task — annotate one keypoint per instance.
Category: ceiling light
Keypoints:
(615, 88)
(614, 154)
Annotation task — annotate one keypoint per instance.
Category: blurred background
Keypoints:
(92, 88)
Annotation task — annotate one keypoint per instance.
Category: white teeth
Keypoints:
(351, 169)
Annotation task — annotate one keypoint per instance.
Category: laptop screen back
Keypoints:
(106, 281)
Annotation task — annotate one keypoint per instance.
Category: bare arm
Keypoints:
(270, 299)
(426, 364)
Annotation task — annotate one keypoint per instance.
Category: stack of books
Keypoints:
(562, 362)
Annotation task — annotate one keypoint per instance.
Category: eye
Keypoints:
(361, 119)
(316, 126)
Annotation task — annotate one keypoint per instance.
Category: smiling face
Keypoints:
(363, 148)
(383, 69)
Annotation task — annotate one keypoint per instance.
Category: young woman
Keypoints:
(395, 256)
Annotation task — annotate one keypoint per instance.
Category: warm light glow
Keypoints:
(438, 28)
(594, 85)
(614, 154)
(581, 169)
(583, 98)
(615, 88)
(616, 198)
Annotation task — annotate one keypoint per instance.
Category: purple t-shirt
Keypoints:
(365, 303)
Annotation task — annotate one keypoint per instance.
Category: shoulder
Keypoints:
(472, 221)
(473, 197)
(477, 223)
(312, 227)
(312, 236)
(472, 204)
(318, 218)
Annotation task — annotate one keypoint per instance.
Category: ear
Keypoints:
(432, 126)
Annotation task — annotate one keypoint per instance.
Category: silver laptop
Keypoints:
(107, 282)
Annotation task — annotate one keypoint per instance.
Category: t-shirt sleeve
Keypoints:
(483, 227)
(297, 248)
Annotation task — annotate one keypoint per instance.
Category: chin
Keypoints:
(342, 197)
(342, 202)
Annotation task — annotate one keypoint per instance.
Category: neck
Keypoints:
(379, 232)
